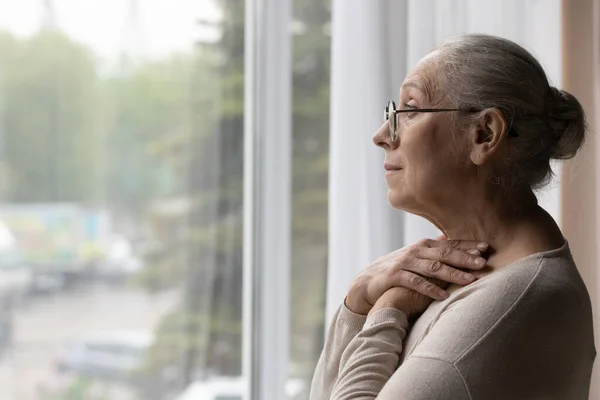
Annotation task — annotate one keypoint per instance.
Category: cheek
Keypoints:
(424, 158)
(432, 166)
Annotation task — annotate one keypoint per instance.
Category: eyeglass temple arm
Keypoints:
(432, 110)
(511, 132)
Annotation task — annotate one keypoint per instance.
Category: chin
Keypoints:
(399, 200)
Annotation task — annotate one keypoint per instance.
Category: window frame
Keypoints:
(267, 198)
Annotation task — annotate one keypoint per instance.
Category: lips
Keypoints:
(391, 167)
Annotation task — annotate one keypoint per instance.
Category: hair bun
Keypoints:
(567, 124)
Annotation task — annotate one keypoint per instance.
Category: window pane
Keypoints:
(311, 43)
(121, 199)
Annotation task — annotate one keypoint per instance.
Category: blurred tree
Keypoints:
(149, 127)
(51, 141)
(211, 311)
(161, 145)
(215, 180)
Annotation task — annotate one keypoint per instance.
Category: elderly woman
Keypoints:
(494, 309)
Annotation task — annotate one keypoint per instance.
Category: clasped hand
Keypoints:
(410, 278)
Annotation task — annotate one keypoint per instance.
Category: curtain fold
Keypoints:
(368, 66)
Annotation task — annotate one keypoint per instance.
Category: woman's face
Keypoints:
(424, 168)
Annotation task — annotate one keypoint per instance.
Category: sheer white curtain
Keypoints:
(374, 43)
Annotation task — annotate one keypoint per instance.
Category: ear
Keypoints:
(488, 135)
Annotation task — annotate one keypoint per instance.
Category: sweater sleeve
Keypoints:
(502, 338)
(372, 357)
(368, 367)
(344, 327)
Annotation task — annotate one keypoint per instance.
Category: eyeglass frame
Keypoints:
(393, 126)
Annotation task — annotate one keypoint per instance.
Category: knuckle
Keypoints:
(428, 287)
(411, 251)
(436, 267)
(415, 280)
(445, 252)
(466, 258)
(390, 272)
(453, 273)
(453, 244)
(424, 243)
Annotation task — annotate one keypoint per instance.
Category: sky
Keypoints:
(108, 27)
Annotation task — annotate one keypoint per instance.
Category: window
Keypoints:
(121, 188)
(122, 197)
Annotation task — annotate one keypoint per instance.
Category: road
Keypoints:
(45, 325)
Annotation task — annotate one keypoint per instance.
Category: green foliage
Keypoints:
(51, 138)
(161, 146)
(80, 389)
(155, 113)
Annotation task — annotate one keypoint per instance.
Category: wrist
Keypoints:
(356, 307)
(383, 305)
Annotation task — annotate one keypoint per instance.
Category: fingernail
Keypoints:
(482, 245)
(444, 295)
(480, 261)
(469, 277)
(474, 252)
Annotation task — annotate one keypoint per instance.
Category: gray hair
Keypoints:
(483, 71)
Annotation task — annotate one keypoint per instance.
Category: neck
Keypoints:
(491, 218)
(512, 232)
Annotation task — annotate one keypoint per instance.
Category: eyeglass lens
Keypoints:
(390, 116)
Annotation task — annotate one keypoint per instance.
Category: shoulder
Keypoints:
(526, 328)
(538, 296)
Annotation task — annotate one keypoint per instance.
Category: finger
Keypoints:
(453, 257)
(441, 271)
(407, 279)
(458, 244)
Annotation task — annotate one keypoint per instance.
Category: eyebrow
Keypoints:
(416, 85)
(413, 84)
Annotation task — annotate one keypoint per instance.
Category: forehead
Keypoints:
(422, 77)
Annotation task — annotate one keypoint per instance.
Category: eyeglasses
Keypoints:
(390, 112)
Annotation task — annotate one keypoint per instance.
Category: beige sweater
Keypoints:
(522, 332)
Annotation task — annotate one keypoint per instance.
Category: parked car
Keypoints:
(232, 389)
(110, 355)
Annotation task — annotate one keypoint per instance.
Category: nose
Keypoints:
(383, 139)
